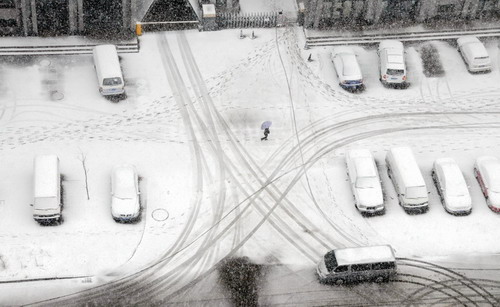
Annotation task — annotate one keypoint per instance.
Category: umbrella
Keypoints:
(266, 124)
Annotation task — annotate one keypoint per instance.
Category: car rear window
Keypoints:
(395, 72)
(112, 81)
(416, 192)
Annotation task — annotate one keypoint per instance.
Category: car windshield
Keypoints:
(395, 72)
(366, 182)
(330, 261)
(416, 192)
(112, 81)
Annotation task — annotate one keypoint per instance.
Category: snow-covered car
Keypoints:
(125, 205)
(347, 68)
(487, 172)
(474, 54)
(392, 66)
(451, 186)
(365, 181)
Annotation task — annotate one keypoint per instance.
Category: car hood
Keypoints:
(463, 202)
(370, 197)
(494, 199)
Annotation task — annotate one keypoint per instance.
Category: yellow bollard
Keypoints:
(138, 29)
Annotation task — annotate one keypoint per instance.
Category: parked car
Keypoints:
(408, 182)
(487, 172)
(347, 68)
(47, 200)
(365, 181)
(108, 70)
(355, 264)
(474, 54)
(451, 186)
(125, 205)
(392, 62)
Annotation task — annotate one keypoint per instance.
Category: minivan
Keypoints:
(365, 181)
(392, 65)
(108, 70)
(474, 54)
(47, 204)
(408, 182)
(356, 264)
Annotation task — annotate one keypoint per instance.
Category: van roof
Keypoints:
(367, 254)
(406, 163)
(109, 64)
(46, 175)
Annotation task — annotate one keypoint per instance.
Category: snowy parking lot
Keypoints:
(211, 189)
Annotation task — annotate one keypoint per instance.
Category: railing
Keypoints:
(249, 20)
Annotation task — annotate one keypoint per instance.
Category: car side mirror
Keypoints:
(402, 194)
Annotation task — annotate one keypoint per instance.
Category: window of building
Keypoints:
(7, 4)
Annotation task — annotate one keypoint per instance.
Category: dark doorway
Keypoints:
(52, 17)
(102, 17)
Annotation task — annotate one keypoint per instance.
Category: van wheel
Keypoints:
(339, 281)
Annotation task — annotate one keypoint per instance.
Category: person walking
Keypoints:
(266, 133)
(265, 126)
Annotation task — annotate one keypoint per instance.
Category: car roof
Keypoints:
(467, 40)
(122, 175)
(453, 175)
(410, 172)
(473, 45)
(350, 64)
(390, 44)
(367, 254)
(490, 168)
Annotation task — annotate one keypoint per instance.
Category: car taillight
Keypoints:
(404, 78)
(384, 77)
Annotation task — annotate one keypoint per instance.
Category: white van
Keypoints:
(365, 181)
(474, 54)
(109, 72)
(345, 265)
(451, 186)
(408, 182)
(47, 203)
(392, 65)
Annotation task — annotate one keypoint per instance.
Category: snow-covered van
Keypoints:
(474, 54)
(392, 62)
(408, 182)
(47, 203)
(365, 181)
(109, 72)
(356, 264)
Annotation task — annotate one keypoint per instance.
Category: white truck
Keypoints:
(407, 178)
(365, 181)
(47, 203)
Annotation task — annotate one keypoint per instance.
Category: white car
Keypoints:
(365, 181)
(474, 54)
(125, 205)
(392, 62)
(347, 68)
(451, 186)
(487, 172)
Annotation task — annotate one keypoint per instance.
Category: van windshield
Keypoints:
(395, 72)
(112, 81)
(330, 261)
(416, 192)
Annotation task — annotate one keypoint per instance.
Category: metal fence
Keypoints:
(249, 20)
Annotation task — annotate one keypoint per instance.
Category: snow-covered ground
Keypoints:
(209, 187)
